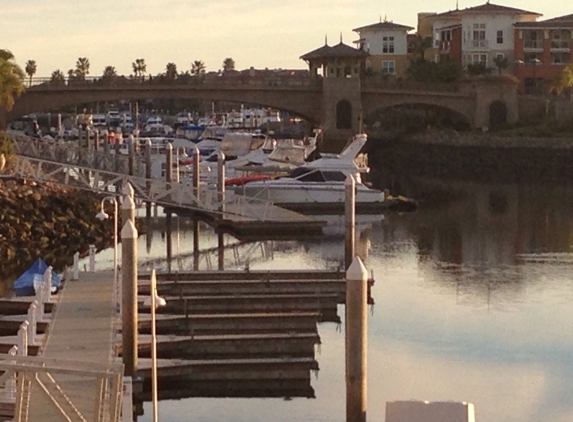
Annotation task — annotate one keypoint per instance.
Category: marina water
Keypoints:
(472, 299)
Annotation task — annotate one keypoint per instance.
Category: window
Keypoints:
(388, 45)
(389, 67)
(476, 58)
(478, 39)
(560, 58)
(500, 56)
(560, 39)
(532, 39)
(499, 37)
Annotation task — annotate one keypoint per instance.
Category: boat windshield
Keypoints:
(306, 175)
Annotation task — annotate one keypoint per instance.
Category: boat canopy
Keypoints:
(30, 280)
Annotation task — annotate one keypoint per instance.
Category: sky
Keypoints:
(260, 33)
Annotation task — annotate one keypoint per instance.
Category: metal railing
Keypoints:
(533, 44)
(69, 164)
(57, 379)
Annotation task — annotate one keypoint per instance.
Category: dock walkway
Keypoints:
(81, 330)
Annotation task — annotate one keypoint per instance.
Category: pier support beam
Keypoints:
(356, 341)
(129, 297)
(196, 245)
(350, 220)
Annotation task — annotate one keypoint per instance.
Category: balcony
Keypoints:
(444, 47)
(561, 45)
(533, 45)
(479, 43)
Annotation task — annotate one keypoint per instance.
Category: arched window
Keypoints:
(344, 115)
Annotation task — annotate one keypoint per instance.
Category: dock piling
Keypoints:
(221, 180)
(23, 338)
(196, 173)
(350, 220)
(92, 251)
(76, 271)
(129, 297)
(127, 210)
(356, 341)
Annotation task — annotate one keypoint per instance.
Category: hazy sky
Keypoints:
(260, 33)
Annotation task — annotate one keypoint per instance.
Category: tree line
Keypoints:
(139, 67)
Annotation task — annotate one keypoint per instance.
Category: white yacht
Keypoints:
(319, 185)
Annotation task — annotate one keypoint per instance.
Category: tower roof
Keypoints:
(338, 50)
(385, 25)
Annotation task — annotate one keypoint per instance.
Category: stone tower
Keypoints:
(340, 68)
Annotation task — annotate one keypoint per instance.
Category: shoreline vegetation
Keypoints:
(46, 221)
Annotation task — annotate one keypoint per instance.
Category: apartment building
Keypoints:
(475, 34)
(387, 45)
(542, 50)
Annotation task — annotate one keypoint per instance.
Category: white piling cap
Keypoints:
(349, 180)
(128, 203)
(148, 142)
(169, 147)
(127, 189)
(196, 151)
(2, 161)
(357, 271)
(220, 155)
(129, 231)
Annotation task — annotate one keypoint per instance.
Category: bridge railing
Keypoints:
(203, 82)
(408, 85)
(70, 153)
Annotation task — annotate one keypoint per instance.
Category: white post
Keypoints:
(221, 180)
(32, 321)
(127, 210)
(76, 274)
(153, 281)
(129, 297)
(92, 258)
(117, 288)
(356, 341)
(23, 339)
(10, 386)
(127, 189)
(350, 220)
(196, 173)
(48, 284)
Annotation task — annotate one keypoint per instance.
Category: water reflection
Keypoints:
(472, 304)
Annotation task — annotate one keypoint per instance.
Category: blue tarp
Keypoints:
(25, 284)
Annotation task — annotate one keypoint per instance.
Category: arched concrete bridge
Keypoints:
(316, 100)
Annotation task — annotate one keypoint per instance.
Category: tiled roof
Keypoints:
(559, 22)
(338, 50)
(488, 8)
(389, 26)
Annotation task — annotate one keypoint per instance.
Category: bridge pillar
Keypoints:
(341, 109)
(500, 91)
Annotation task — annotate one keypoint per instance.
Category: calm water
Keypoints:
(473, 303)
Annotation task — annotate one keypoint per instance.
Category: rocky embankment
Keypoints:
(47, 221)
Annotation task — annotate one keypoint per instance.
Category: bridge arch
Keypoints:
(415, 116)
(302, 101)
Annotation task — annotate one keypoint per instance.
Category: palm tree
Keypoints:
(58, 77)
(198, 68)
(82, 67)
(139, 68)
(228, 64)
(31, 69)
(420, 45)
(109, 74)
(171, 71)
(11, 80)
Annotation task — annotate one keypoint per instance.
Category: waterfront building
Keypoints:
(386, 43)
(474, 35)
(542, 50)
